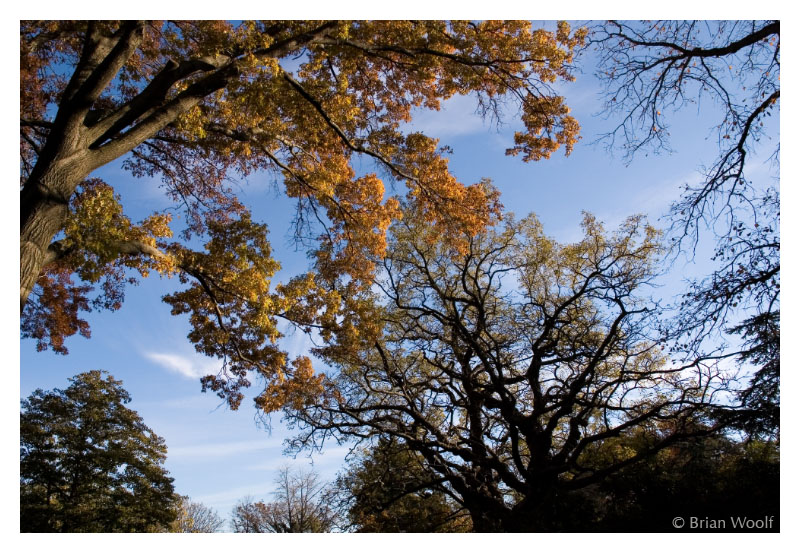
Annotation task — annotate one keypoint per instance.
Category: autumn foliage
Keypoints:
(486, 376)
(514, 371)
(197, 103)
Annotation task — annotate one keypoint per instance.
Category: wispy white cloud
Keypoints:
(457, 117)
(222, 501)
(269, 466)
(194, 402)
(326, 463)
(187, 366)
(223, 449)
(652, 198)
(262, 487)
(295, 342)
(656, 198)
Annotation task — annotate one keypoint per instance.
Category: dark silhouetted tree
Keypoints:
(710, 478)
(503, 358)
(389, 489)
(653, 69)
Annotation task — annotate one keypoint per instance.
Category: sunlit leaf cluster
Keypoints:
(302, 103)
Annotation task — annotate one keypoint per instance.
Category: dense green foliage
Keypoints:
(388, 489)
(89, 464)
(760, 411)
(712, 478)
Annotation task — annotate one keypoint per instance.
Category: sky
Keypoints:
(218, 456)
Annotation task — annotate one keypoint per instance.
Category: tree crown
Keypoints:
(90, 464)
(199, 102)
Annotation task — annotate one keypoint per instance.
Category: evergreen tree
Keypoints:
(89, 464)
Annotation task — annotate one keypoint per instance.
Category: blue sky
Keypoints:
(218, 456)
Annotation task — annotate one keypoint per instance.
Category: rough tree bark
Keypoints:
(82, 139)
(66, 159)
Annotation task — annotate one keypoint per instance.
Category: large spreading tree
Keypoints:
(506, 361)
(196, 103)
(88, 463)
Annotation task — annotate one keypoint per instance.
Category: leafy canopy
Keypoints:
(197, 103)
(504, 365)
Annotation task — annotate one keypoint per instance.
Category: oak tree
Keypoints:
(90, 464)
(199, 102)
(504, 359)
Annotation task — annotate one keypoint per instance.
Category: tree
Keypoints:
(388, 489)
(195, 518)
(199, 102)
(759, 415)
(711, 478)
(657, 67)
(506, 362)
(89, 464)
(300, 506)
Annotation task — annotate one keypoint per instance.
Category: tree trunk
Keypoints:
(44, 206)
(486, 514)
(485, 522)
(539, 511)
